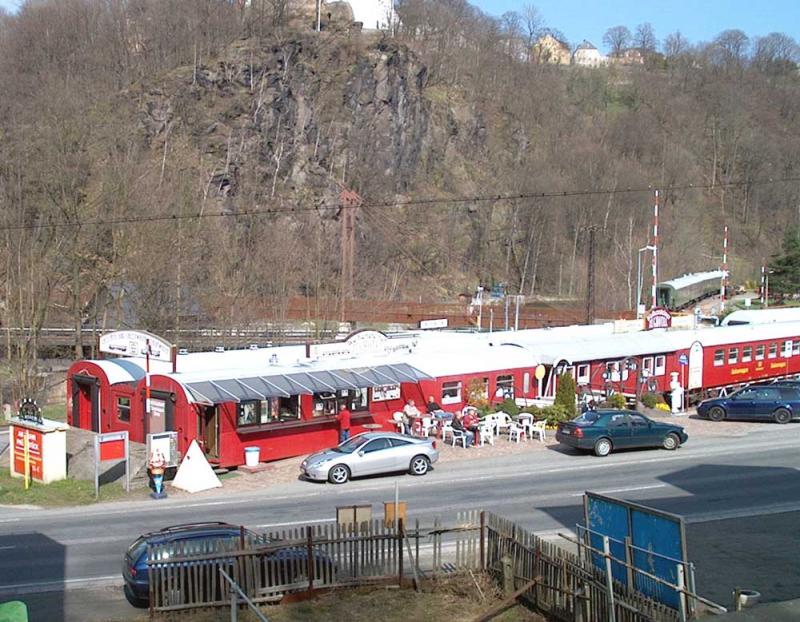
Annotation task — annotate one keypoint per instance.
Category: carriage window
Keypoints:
(327, 403)
(505, 387)
(719, 358)
(647, 365)
(760, 352)
(583, 374)
(796, 347)
(661, 365)
(733, 356)
(451, 392)
(272, 410)
(485, 389)
(773, 350)
(124, 408)
(747, 354)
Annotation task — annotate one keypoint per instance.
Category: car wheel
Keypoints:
(716, 413)
(419, 465)
(339, 474)
(671, 441)
(602, 447)
(139, 603)
(782, 416)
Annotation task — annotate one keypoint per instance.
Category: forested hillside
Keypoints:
(161, 159)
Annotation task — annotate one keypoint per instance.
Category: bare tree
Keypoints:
(617, 39)
(675, 45)
(729, 49)
(776, 53)
(645, 39)
(533, 22)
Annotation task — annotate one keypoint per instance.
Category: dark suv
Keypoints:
(774, 401)
(286, 561)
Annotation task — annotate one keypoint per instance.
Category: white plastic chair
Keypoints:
(459, 436)
(515, 432)
(397, 419)
(502, 421)
(526, 421)
(538, 428)
(447, 426)
(425, 427)
(486, 433)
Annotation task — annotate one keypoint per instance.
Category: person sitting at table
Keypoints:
(437, 411)
(458, 424)
(410, 415)
(471, 419)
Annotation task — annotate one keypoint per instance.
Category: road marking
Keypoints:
(628, 489)
(6, 548)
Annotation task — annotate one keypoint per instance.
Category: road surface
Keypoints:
(752, 479)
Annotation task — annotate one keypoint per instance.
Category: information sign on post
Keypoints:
(111, 447)
(167, 444)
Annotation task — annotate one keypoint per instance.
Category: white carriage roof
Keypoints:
(691, 279)
(762, 316)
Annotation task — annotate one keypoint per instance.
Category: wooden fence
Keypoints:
(186, 575)
(566, 588)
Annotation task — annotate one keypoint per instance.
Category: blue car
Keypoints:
(287, 561)
(778, 402)
(604, 430)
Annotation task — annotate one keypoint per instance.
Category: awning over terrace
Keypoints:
(221, 390)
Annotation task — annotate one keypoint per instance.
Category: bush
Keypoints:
(556, 413)
(615, 400)
(508, 406)
(565, 394)
(649, 399)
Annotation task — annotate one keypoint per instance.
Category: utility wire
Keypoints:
(421, 202)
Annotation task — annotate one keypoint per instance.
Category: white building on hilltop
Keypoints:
(373, 14)
(588, 56)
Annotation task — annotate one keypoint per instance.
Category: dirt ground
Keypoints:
(288, 470)
(455, 599)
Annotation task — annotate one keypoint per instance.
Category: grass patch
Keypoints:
(64, 493)
(455, 599)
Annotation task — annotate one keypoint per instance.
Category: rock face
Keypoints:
(294, 120)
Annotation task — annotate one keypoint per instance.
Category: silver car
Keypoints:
(371, 453)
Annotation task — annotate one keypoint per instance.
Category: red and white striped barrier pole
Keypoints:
(655, 250)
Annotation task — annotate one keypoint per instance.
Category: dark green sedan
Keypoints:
(605, 430)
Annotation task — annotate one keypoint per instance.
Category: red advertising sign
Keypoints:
(659, 318)
(112, 449)
(34, 452)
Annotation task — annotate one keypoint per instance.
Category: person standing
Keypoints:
(344, 422)
(410, 415)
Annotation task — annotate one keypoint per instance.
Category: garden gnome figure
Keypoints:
(157, 465)
(677, 393)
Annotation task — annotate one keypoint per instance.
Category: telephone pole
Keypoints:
(348, 204)
(590, 278)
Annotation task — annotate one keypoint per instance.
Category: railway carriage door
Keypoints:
(695, 380)
(210, 431)
(85, 403)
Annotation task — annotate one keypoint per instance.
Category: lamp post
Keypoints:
(649, 247)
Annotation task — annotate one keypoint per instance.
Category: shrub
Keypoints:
(508, 406)
(556, 413)
(616, 400)
(565, 394)
(650, 400)
(533, 410)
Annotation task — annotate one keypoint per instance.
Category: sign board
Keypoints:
(386, 392)
(349, 516)
(539, 372)
(167, 444)
(659, 318)
(362, 343)
(34, 447)
(683, 359)
(136, 343)
(111, 447)
(656, 543)
(427, 324)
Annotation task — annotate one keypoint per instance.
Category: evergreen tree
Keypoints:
(565, 393)
(785, 268)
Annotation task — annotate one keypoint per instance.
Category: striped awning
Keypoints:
(237, 389)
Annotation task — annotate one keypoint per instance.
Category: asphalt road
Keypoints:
(708, 480)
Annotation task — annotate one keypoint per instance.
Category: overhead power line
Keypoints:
(421, 202)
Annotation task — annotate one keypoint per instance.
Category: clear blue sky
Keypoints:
(698, 20)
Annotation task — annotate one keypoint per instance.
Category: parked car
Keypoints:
(776, 401)
(605, 430)
(287, 561)
(371, 453)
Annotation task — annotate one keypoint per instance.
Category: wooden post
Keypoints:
(508, 574)
(483, 544)
(400, 555)
(310, 556)
(612, 615)
(629, 562)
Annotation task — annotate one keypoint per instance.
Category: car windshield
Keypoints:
(587, 418)
(350, 446)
